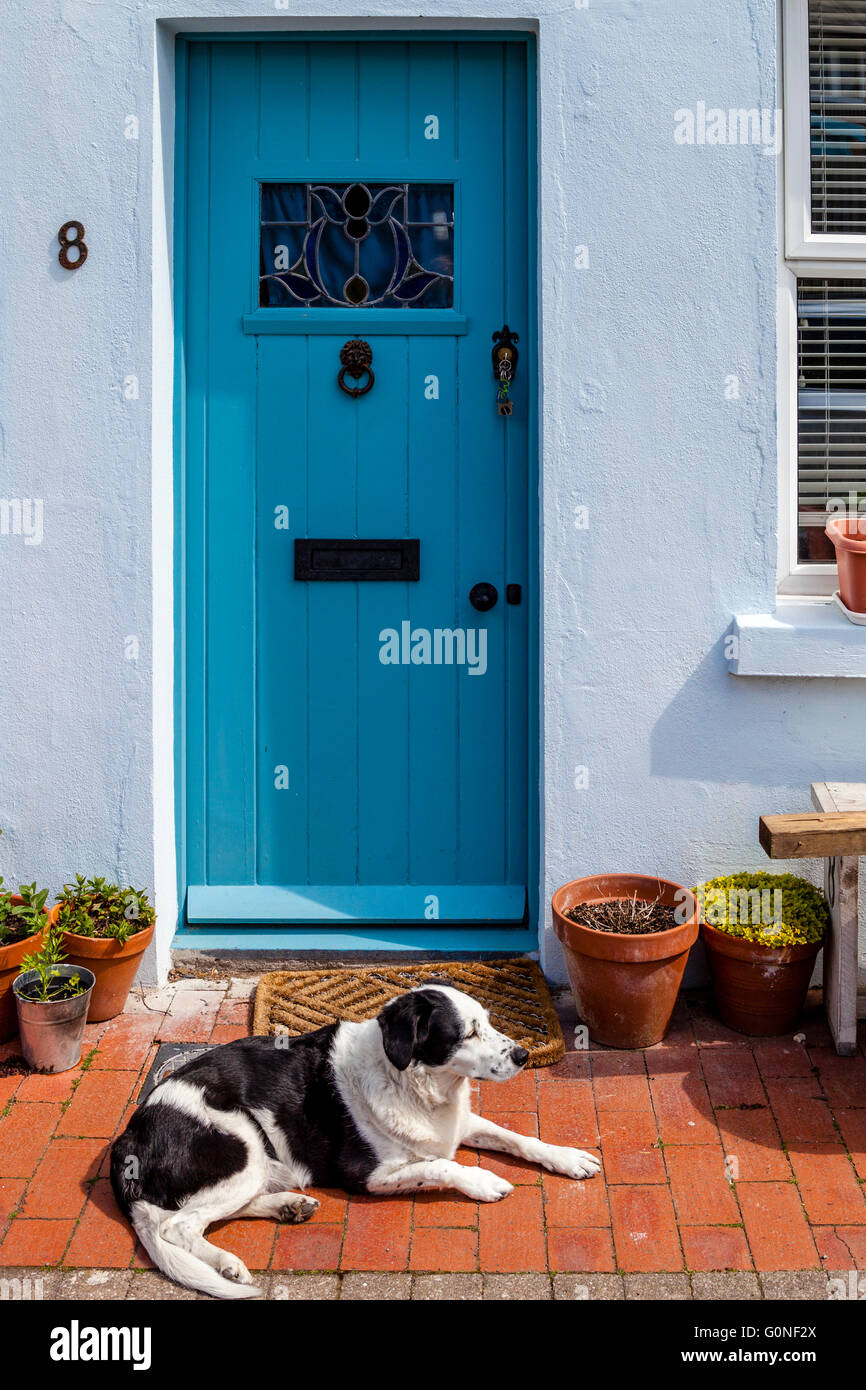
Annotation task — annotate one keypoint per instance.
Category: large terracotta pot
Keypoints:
(10, 964)
(115, 968)
(759, 989)
(625, 987)
(850, 542)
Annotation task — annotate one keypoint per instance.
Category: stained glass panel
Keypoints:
(357, 245)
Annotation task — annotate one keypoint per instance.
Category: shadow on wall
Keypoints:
(765, 731)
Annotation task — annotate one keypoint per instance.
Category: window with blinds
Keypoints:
(837, 97)
(831, 407)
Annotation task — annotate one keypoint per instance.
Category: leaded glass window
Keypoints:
(357, 245)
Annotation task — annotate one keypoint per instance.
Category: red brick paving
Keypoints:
(438, 1209)
(24, 1133)
(584, 1249)
(566, 1114)
(829, 1189)
(46, 1088)
(308, 1247)
(63, 1179)
(515, 1170)
(98, 1103)
(781, 1057)
(512, 1232)
(11, 1196)
(35, 1242)
(720, 1152)
(776, 1226)
(630, 1147)
(191, 1017)
(568, 1203)
(644, 1228)
(377, 1233)
(683, 1109)
(715, 1247)
(126, 1042)
(800, 1111)
(435, 1249)
(751, 1141)
(843, 1079)
(102, 1237)
(841, 1247)
(852, 1124)
(252, 1240)
(701, 1192)
(732, 1078)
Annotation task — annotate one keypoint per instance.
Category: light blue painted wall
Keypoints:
(680, 482)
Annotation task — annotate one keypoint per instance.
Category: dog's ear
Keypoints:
(405, 1023)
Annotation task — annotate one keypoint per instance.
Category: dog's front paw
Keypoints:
(572, 1163)
(486, 1187)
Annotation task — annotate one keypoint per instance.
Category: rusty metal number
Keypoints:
(67, 242)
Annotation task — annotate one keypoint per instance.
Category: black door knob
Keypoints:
(483, 597)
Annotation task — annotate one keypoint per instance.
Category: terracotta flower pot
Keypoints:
(759, 989)
(625, 987)
(10, 964)
(850, 543)
(115, 968)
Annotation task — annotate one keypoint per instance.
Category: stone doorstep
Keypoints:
(148, 1286)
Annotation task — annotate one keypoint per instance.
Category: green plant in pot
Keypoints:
(52, 997)
(106, 929)
(762, 934)
(22, 918)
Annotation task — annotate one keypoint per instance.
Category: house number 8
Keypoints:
(71, 234)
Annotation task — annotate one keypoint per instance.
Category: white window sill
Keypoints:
(804, 637)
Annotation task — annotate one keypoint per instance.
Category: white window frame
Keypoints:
(805, 254)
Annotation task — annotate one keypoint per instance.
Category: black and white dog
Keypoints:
(375, 1107)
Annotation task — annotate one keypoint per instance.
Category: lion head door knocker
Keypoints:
(504, 367)
(356, 356)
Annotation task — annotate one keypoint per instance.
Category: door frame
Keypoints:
(477, 940)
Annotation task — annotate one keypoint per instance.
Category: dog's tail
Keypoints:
(177, 1263)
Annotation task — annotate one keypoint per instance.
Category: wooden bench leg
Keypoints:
(840, 953)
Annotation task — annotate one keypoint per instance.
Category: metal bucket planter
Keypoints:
(52, 1033)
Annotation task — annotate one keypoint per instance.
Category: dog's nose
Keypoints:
(519, 1056)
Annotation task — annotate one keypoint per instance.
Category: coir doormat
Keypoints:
(513, 991)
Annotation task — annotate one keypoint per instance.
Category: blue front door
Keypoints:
(353, 229)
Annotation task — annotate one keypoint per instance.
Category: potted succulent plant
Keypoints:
(107, 930)
(52, 998)
(22, 918)
(626, 940)
(762, 933)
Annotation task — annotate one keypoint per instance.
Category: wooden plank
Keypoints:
(278, 940)
(813, 836)
(439, 323)
(352, 902)
(843, 796)
(840, 949)
(483, 756)
(230, 527)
